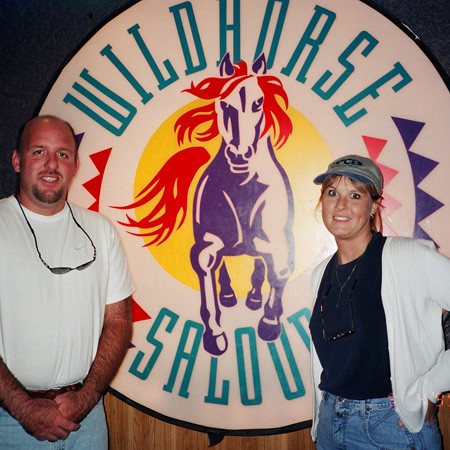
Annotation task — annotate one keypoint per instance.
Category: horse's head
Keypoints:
(240, 114)
(242, 105)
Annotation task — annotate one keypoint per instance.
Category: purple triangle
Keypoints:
(409, 130)
(79, 137)
(421, 167)
(425, 205)
(420, 233)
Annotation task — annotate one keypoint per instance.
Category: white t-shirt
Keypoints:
(50, 324)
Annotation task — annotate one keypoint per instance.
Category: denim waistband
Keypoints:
(373, 403)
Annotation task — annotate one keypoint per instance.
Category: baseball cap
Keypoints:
(356, 168)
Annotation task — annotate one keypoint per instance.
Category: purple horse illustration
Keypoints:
(243, 201)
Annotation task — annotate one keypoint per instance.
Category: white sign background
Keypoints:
(142, 57)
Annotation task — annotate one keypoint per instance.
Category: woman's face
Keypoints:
(346, 208)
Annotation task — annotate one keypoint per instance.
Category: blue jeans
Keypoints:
(369, 424)
(92, 435)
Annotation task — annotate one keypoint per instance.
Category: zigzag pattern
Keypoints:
(421, 167)
(374, 148)
(94, 186)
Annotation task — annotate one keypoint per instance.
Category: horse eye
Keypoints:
(256, 105)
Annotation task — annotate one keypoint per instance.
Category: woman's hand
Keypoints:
(430, 416)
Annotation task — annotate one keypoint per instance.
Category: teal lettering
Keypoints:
(212, 397)
(188, 355)
(372, 91)
(371, 43)
(175, 10)
(145, 96)
(145, 372)
(277, 32)
(255, 374)
(308, 40)
(234, 27)
(289, 394)
(295, 319)
(163, 82)
(124, 120)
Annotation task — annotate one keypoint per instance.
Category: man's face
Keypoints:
(46, 165)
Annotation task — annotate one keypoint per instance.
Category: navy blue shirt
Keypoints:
(356, 365)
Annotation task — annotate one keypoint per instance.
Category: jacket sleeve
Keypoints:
(437, 272)
(415, 289)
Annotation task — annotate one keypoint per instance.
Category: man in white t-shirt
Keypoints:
(65, 307)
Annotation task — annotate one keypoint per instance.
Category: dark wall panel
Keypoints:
(38, 36)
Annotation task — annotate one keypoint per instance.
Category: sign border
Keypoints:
(193, 426)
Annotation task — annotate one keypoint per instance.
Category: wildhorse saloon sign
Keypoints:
(202, 124)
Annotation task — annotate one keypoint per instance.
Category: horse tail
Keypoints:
(171, 184)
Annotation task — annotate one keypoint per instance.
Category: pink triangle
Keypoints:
(387, 230)
(388, 173)
(390, 205)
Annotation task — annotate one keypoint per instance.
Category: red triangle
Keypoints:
(374, 146)
(94, 185)
(138, 312)
(100, 159)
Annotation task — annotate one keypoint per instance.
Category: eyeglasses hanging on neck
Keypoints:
(60, 270)
(351, 328)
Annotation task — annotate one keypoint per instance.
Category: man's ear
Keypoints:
(16, 161)
(77, 166)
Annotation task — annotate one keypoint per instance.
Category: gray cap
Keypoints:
(356, 168)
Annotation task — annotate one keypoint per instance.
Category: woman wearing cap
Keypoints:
(378, 359)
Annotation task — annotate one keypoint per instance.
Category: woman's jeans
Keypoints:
(369, 424)
(92, 435)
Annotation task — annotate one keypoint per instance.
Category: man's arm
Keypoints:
(113, 344)
(39, 417)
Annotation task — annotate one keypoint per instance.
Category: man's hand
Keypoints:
(76, 405)
(42, 419)
(113, 344)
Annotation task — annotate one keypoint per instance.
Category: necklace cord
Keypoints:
(59, 270)
(357, 264)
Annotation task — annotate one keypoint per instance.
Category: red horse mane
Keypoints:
(171, 183)
(212, 88)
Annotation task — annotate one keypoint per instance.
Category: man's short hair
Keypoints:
(22, 129)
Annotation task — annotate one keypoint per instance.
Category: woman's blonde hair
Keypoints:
(376, 222)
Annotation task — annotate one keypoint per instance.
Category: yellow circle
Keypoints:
(303, 156)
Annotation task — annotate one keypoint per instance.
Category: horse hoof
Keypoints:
(253, 301)
(269, 329)
(228, 300)
(215, 345)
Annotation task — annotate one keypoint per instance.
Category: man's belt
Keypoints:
(53, 393)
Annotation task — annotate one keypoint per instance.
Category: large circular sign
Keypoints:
(202, 125)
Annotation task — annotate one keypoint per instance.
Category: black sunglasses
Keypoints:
(333, 337)
(60, 270)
